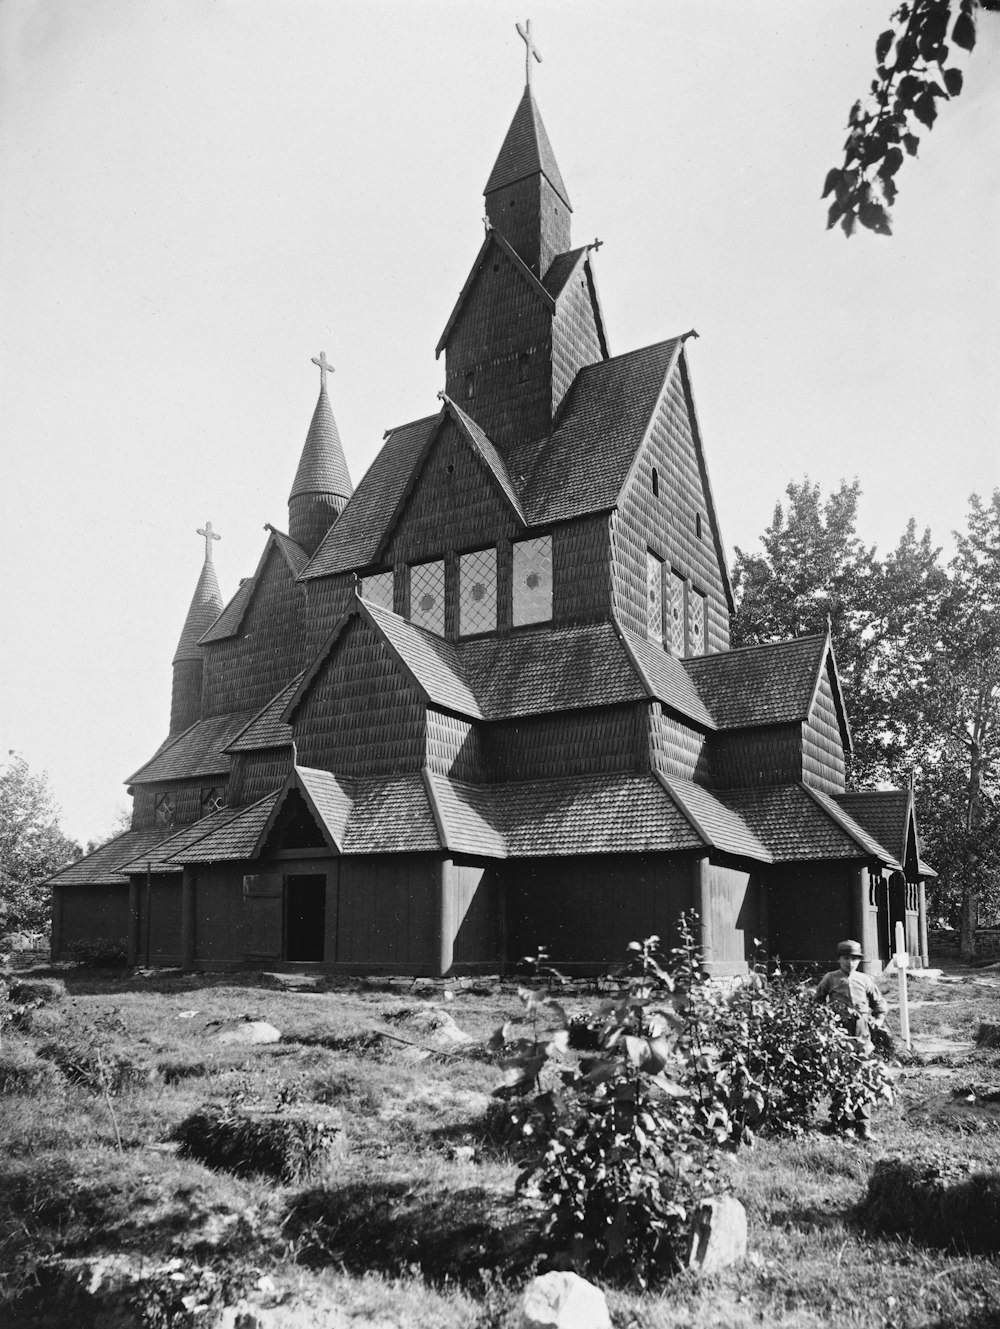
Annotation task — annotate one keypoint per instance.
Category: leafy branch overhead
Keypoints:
(914, 71)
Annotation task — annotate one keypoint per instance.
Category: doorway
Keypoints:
(305, 916)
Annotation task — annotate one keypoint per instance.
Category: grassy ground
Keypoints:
(415, 1222)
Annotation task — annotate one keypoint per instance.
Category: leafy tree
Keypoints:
(32, 847)
(914, 70)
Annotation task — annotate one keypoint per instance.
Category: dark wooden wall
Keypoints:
(666, 523)
(581, 571)
(453, 746)
(809, 910)
(89, 914)
(733, 918)
(742, 758)
(574, 743)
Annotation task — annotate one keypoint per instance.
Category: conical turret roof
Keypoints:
(206, 606)
(526, 151)
(322, 466)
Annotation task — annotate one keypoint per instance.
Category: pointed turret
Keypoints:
(526, 200)
(206, 606)
(322, 482)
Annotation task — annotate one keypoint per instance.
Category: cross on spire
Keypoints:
(325, 367)
(530, 48)
(209, 535)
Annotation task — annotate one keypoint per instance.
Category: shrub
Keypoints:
(100, 952)
(939, 1201)
(288, 1145)
(23, 1072)
(99, 1070)
(36, 991)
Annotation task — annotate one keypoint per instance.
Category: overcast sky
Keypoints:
(198, 196)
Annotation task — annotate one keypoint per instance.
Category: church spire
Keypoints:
(205, 608)
(322, 482)
(526, 199)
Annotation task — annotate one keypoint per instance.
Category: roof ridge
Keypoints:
(755, 646)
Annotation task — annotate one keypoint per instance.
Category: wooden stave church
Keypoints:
(486, 701)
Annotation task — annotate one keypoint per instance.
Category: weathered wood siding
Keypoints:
(388, 914)
(575, 340)
(91, 913)
(362, 716)
(255, 774)
(587, 910)
(472, 915)
(823, 764)
(675, 748)
(809, 909)
(247, 670)
(732, 919)
(158, 937)
(666, 523)
(581, 575)
(327, 601)
(573, 743)
(186, 795)
(742, 758)
(502, 320)
(220, 925)
(532, 218)
(453, 746)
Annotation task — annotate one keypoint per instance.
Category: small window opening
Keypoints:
(470, 385)
(450, 468)
(496, 267)
(697, 521)
(511, 203)
(656, 485)
(523, 366)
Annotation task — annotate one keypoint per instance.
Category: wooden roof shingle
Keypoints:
(161, 860)
(200, 750)
(759, 685)
(720, 826)
(322, 466)
(526, 150)
(267, 729)
(799, 824)
(104, 866)
(234, 841)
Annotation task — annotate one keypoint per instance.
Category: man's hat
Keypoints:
(852, 948)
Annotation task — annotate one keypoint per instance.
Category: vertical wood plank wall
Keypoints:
(90, 913)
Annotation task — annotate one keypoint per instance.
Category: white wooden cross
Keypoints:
(325, 367)
(209, 535)
(530, 48)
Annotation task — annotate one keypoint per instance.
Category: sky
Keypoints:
(198, 196)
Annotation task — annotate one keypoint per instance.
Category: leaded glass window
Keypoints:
(427, 596)
(164, 810)
(675, 612)
(533, 580)
(697, 606)
(477, 592)
(654, 596)
(377, 589)
(211, 801)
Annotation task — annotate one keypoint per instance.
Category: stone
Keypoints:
(563, 1300)
(248, 1031)
(718, 1234)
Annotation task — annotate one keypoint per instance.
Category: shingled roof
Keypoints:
(886, 815)
(234, 841)
(798, 824)
(322, 467)
(267, 729)
(205, 608)
(759, 685)
(104, 866)
(720, 826)
(354, 541)
(488, 454)
(229, 621)
(526, 150)
(603, 420)
(493, 239)
(200, 750)
(160, 860)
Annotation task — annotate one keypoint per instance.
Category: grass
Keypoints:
(415, 1221)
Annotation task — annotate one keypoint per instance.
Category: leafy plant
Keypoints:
(100, 952)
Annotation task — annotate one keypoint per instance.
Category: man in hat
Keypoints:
(862, 1008)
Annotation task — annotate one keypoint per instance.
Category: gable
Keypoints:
(823, 764)
(578, 330)
(454, 503)
(495, 258)
(361, 714)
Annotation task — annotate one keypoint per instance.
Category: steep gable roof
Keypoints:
(493, 239)
(104, 866)
(267, 729)
(326, 798)
(322, 467)
(799, 824)
(236, 840)
(759, 685)
(720, 826)
(200, 750)
(355, 539)
(231, 619)
(854, 828)
(561, 269)
(487, 453)
(665, 677)
(526, 150)
(889, 816)
(602, 423)
(161, 859)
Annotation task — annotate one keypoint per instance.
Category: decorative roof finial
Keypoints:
(530, 48)
(209, 535)
(325, 367)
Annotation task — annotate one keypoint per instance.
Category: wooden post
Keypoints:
(446, 917)
(859, 910)
(187, 918)
(902, 960)
(149, 908)
(132, 953)
(703, 903)
(925, 950)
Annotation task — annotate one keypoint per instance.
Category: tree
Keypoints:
(32, 847)
(913, 72)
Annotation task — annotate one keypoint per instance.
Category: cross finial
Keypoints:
(209, 535)
(530, 48)
(325, 367)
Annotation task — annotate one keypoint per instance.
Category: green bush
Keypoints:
(100, 953)
(23, 1072)
(288, 1145)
